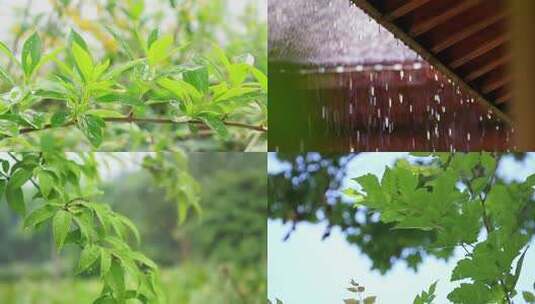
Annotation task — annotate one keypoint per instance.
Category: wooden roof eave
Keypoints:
(386, 22)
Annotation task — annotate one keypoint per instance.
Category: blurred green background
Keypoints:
(218, 256)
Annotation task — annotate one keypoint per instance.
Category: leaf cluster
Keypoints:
(91, 93)
(107, 239)
(459, 197)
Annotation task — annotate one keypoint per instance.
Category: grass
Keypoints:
(188, 284)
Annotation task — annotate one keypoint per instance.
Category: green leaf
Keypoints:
(125, 47)
(216, 124)
(182, 89)
(221, 57)
(476, 293)
(115, 279)
(31, 54)
(2, 186)
(528, 297)
(518, 269)
(197, 77)
(19, 178)
(101, 68)
(59, 118)
(235, 93)
(159, 50)
(503, 207)
(39, 215)
(261, 78)
(75, 38)
(374, 194)
(369, 300)
(85, 224)
(154, 34)
(88, 257)
(426, 297)
(136, 8)
(84, 62)
(105, 261)
(128, 223)
(6, 77)
(5, 49)
(238, 73)
(117, 71)
(47, 58)
(93, 128)
(144, 260)
(60, 227)
(46, 182)
(15, 199)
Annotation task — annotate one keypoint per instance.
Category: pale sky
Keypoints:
(306, 269)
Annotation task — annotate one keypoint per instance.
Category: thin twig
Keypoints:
(130, 119)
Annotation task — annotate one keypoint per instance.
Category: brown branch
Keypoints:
(130, 119)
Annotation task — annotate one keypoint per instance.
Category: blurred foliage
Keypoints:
(186, 100)
(191, 283)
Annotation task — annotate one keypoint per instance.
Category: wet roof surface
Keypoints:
(330, 32)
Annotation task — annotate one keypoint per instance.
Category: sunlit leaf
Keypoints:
(31, 54)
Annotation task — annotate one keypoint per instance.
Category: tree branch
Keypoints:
(130, 119)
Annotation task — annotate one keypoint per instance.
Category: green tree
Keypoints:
(66, 190)
(147, 89)
(459, 197)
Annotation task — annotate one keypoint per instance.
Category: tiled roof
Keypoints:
(330, 32)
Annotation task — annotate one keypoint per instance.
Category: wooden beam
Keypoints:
(466, 32)
(504, 98)
(479, 50)
(523, 48)
(422, 26)
(490, 66)
(494, 83)
(399, 33)
(405, 9)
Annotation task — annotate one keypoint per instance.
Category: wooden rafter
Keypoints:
(488, 67)
(466, 32)
(507, 96)
(422, 26)
(493, 83)
(405, 8)
(479, 50)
